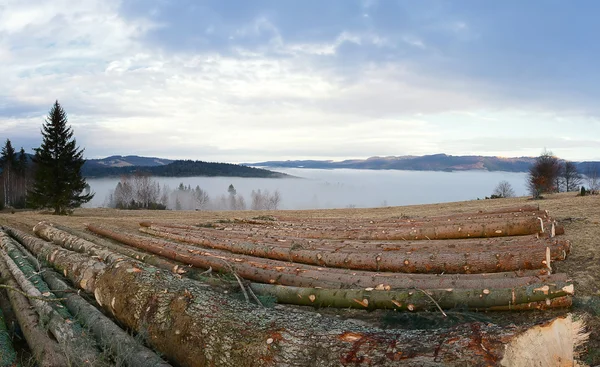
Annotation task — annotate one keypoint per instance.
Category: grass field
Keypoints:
(579, 215)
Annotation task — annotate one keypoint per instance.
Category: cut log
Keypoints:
(78, 347)
(110, 336)
(179, 315)
(285, 273)
(47, 352)
(466, 229)
(206, 237)
(420, 260)
(281, 293)
(418, 299)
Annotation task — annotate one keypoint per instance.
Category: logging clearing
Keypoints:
(184, 281)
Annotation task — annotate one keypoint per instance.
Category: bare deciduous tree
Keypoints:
(571, 178)
(504, 190)
(592, 179)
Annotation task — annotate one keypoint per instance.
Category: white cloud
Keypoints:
(125, 96)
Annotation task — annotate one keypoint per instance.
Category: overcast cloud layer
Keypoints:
(241, 81)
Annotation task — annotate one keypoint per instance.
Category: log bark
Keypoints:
(77, 346)
(418, 299)
(110, 336)
(420, 260)
(426, 231)
(289, 296)
(179, 315)
(8, 356)
(280, 272)
(205, 237)
(46, 351)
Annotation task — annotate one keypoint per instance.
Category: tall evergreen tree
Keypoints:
(8, 162)
(58, 183)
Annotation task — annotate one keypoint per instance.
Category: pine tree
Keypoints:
(8, 162)
(58, 183)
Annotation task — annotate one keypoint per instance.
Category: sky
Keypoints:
(246, 81)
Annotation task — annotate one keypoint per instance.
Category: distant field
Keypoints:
(579, 215)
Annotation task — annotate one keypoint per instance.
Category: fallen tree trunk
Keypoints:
(46, 351)
(179, 315)
(285, 273)
(424, 259)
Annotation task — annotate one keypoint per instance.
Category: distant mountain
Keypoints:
(128, 161)
(118, 165)
(435, 162)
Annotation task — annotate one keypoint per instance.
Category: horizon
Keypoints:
(235, 81)
(321, 160)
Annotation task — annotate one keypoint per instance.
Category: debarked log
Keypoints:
(178, 316)
(416, 260)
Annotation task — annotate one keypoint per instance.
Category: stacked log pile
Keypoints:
(496, 260)
(160, 284)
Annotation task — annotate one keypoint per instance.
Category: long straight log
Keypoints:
(210, 235)
(287, 249)
(193, 273)
(448, 261)
(46, 351)
(77, 346)
(285, 273)
(427, 231)
(417, 299)
(560, 248)
(179, 315)
(289, 295)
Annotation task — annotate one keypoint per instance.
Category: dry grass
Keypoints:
(579, 215)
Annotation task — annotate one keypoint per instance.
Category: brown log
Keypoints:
(417, 232)
(457, 229)
(445, 261)
(224, 240)
(280, 272)
(179, 316)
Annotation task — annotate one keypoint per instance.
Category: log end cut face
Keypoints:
(551, 344)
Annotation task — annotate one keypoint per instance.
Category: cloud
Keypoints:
(268, 79)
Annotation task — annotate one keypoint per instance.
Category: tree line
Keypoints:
(140, 191)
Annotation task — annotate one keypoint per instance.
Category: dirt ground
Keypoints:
(579, 215)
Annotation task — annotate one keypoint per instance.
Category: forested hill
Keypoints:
(435, 162)
(180, 168)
